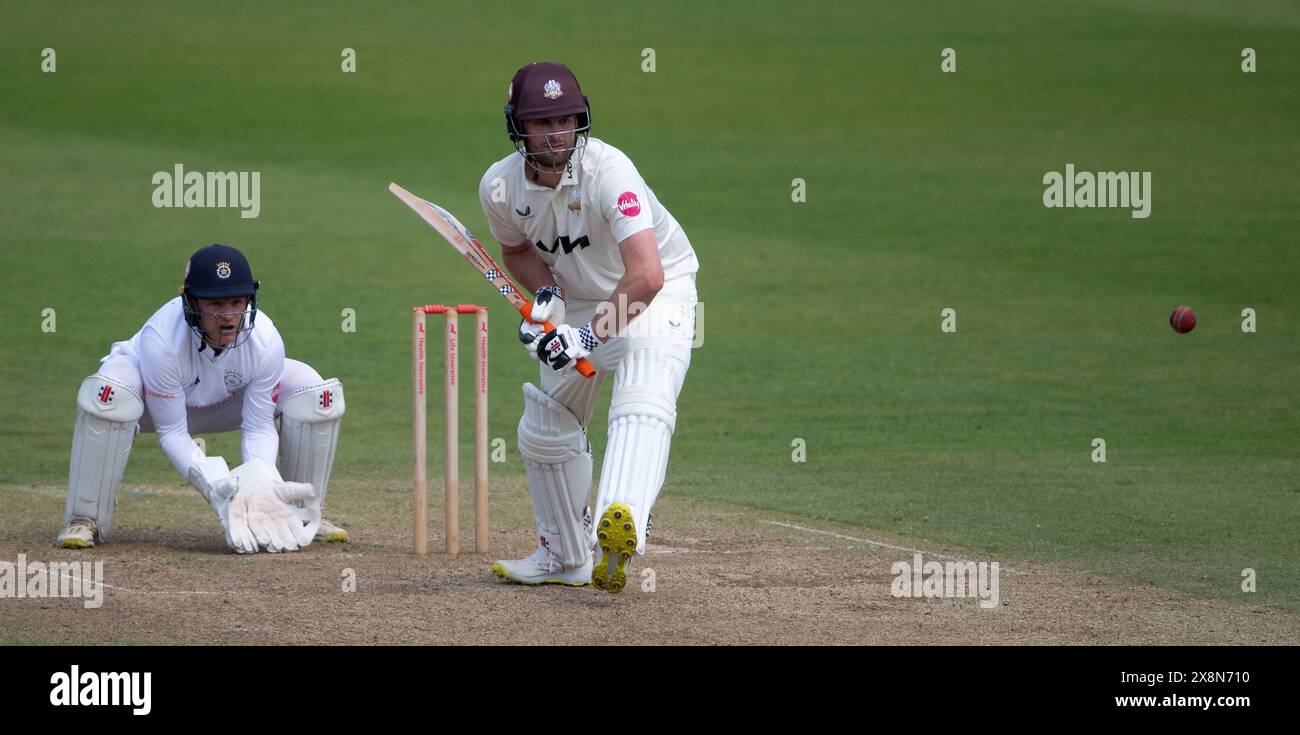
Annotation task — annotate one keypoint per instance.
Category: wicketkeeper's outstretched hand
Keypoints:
(278, 515)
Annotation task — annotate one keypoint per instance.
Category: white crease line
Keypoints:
(882, 544)
(660, 550)
(102, 585)
(98, 585)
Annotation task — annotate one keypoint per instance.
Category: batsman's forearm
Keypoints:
(631, 297)
(528, 270)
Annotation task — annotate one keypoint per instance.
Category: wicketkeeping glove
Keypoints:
(211, 476)
(273, 518)
(280, 515)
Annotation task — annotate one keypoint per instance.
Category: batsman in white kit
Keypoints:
(610, 266)
(208, 361)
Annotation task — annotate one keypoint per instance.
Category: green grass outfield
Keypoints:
(821, 319)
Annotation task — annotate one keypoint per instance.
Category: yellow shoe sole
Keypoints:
(616, 539)
(337, 537)
(76, 543)
(500, 570)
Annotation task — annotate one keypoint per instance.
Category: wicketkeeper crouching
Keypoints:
(208, 362)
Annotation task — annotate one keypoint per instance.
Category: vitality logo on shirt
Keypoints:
(628, 204)
(563, 242)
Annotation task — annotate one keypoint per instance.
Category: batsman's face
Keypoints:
(551, 140)
(221, 318)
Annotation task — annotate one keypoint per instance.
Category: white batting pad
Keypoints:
(108, 412)
(642, 415)
(557, 459)
(309, 434)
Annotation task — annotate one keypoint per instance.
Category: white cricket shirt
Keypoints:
(577, 226)
(177, 376)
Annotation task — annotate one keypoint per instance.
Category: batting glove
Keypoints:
(565, 345)
(548, 305)
(529, 333)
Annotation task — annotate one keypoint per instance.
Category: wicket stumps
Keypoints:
(419, 405)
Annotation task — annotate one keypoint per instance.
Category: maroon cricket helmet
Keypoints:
(544, 89)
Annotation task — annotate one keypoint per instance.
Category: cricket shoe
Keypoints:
(542, 567)
(615, 545)
(330, 533)
(80, 533)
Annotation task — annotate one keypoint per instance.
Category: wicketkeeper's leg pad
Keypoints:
(108, 413)
(309, 433)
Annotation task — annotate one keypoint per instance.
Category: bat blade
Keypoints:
(438, 218)
(456, 233)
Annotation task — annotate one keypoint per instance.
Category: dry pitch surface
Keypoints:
(720, 575)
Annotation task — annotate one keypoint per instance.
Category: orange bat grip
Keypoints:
(584, 366)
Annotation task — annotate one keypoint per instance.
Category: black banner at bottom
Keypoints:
(175, 683)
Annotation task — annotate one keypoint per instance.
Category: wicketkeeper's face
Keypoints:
(222, 318)
(551, 140)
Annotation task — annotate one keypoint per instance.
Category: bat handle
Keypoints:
(583, 366)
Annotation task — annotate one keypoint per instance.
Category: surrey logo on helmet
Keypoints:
(546, 90)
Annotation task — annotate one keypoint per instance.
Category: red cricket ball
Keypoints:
(1183, 320)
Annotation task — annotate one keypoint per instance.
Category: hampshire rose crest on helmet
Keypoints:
(218, 272)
